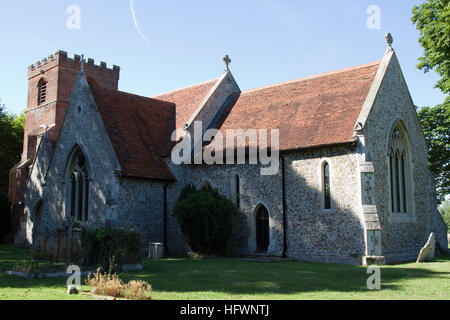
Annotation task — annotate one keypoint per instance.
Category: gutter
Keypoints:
(165, 219)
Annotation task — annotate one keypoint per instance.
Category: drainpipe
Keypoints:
(283, 193)
(165, 219)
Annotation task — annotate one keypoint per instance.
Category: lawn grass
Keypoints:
(236, 279)
(17, 288)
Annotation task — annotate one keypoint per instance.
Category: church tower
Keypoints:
(50, 85)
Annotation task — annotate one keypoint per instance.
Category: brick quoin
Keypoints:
(60, 73)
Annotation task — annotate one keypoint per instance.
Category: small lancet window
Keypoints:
(326, 186)
(237, 190)
(42, 91)
(399, 174)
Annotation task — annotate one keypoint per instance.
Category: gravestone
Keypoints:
(72, 290)
(426, 254)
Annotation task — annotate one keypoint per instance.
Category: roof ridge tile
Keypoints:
(312, 77)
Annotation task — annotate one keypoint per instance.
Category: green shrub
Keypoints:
(101, 245)
(205, 218)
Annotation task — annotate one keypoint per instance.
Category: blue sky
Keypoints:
(268, 41)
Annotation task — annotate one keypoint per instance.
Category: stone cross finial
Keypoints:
(389, 39)
(227, 61)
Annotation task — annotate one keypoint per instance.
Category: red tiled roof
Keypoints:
(187, 100)
(140, 129)
(309, 112)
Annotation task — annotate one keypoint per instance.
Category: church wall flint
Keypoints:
(312, 233)
(316, 234)
(141, 207)
(255, 190)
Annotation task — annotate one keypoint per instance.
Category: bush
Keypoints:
(4, 216)
(205, 218)
(138, 290)
(101, 245)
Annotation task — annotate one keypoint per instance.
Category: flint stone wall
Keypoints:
(141, 208)
(314, 233)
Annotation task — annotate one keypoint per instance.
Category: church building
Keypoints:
(352, 183)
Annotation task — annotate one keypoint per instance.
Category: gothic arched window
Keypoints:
(399, 171)
(42, 91)
(79, 187)
(326, 189)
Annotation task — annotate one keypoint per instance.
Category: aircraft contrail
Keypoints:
(136, 23)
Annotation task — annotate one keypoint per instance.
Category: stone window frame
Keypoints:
(86, 186)
(401, 204)
(322, 185)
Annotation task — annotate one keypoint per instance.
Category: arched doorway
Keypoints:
(262, 229)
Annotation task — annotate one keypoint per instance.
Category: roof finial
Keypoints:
(227, 61)
(82, 63)
(389, 39)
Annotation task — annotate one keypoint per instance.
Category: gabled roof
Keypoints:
(187, 100)
(139, 129)
(315, 111)
(310, 112)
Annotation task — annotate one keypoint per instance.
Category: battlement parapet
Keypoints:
(61, 59)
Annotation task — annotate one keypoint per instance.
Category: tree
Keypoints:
(444, 209)
(11, 137)
(432, 19)
(436, 123)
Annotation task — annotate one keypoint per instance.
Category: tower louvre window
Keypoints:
(42, 92)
